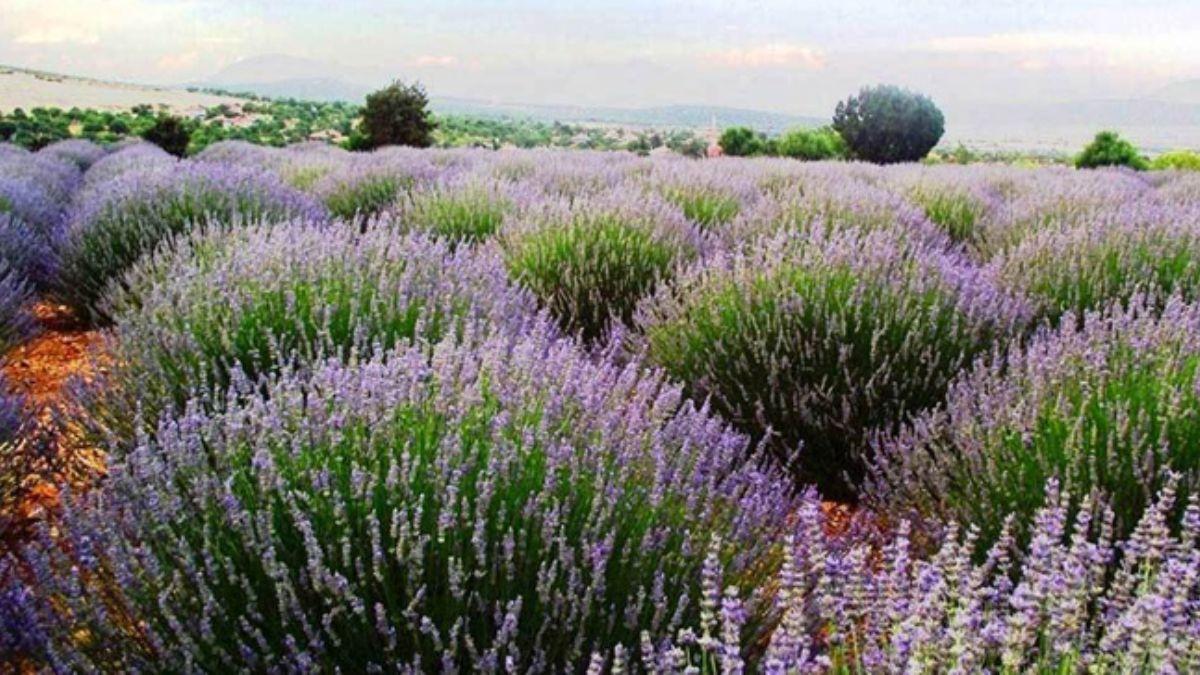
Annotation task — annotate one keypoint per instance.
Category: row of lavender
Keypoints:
(535, 411)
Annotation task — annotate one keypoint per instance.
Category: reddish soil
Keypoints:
(40, 370)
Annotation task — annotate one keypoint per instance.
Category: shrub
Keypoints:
(37, 189)
(742, 142)
(887, 124)
(82, 153)
(15, 297)
(468, 213)
(140, 210)
(26, 252)
(812, 144)
(491, 503)
(397, 115)
(1177, 160)
(357, 193)
(831, 202)
(811, 341)
(592, 264)
(1109, 149)
(705, 206)
(138, 156)
(257, 300)
(1104, 406)
(953, 209)
(1136, 249)
(1073, 599)
(169, 133)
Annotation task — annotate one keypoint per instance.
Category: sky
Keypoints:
(794, 56)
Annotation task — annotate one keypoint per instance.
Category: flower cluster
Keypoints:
(815, 340)
(1108, 403)
(255, 300)
(490, 502)
(118, 221)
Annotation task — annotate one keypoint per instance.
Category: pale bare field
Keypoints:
(30, 89)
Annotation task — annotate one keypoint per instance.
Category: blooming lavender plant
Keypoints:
(493, 503)
(466, 213)
(134, 156)
(814, 340)
(1144, 247)
(114, 225)
(15, 297)
(1108, 405)
(78, 151)
(590, 263)
(1073, 600)
(256, 300)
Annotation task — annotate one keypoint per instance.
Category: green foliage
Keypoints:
(1177, 160)
(955, 211)
(169, 133)
(398, 115)
(366, 196)
(886, 124)
(468, 215)
(704, 206)
(1109, 149)
(742, 142)
(812, 144)
(592, 269)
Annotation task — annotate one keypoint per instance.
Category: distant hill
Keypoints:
(278, 75)
(1186, 91)
(24, 88)
(682, 116)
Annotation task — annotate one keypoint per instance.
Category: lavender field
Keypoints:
(536, 411)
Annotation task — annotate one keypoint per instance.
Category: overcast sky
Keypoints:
(784, 55)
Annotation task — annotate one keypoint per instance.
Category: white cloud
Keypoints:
(774, 55)
(426, 60)
(56, 34)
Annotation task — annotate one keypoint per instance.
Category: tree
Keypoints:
(887, 124)
(812, 144)
(741, 142)
(1109, 149)
(397, 115)
(169, 133)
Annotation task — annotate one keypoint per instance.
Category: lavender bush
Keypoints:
(26, 252)
(80, 152)
(492, 503)
(1107, 405)
(459, 213)
(117, 223)
(591, 263)
(1073, 600)
(15, 297)
(813, 340)
(256, 300)
(1139, 248)
(132, 157)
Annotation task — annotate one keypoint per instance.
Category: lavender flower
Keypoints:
(812, 340)
(129, 216)
(1106, 405)
(492, 502)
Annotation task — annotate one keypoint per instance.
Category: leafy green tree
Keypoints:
(742, 142)
(169, 133)
(1179, 160)
(887, 124)
(398, 115)
(812, 144)
(1109, 149)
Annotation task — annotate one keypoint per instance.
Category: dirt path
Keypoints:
(39, 369)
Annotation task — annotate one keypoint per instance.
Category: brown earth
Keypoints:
(40, 369)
